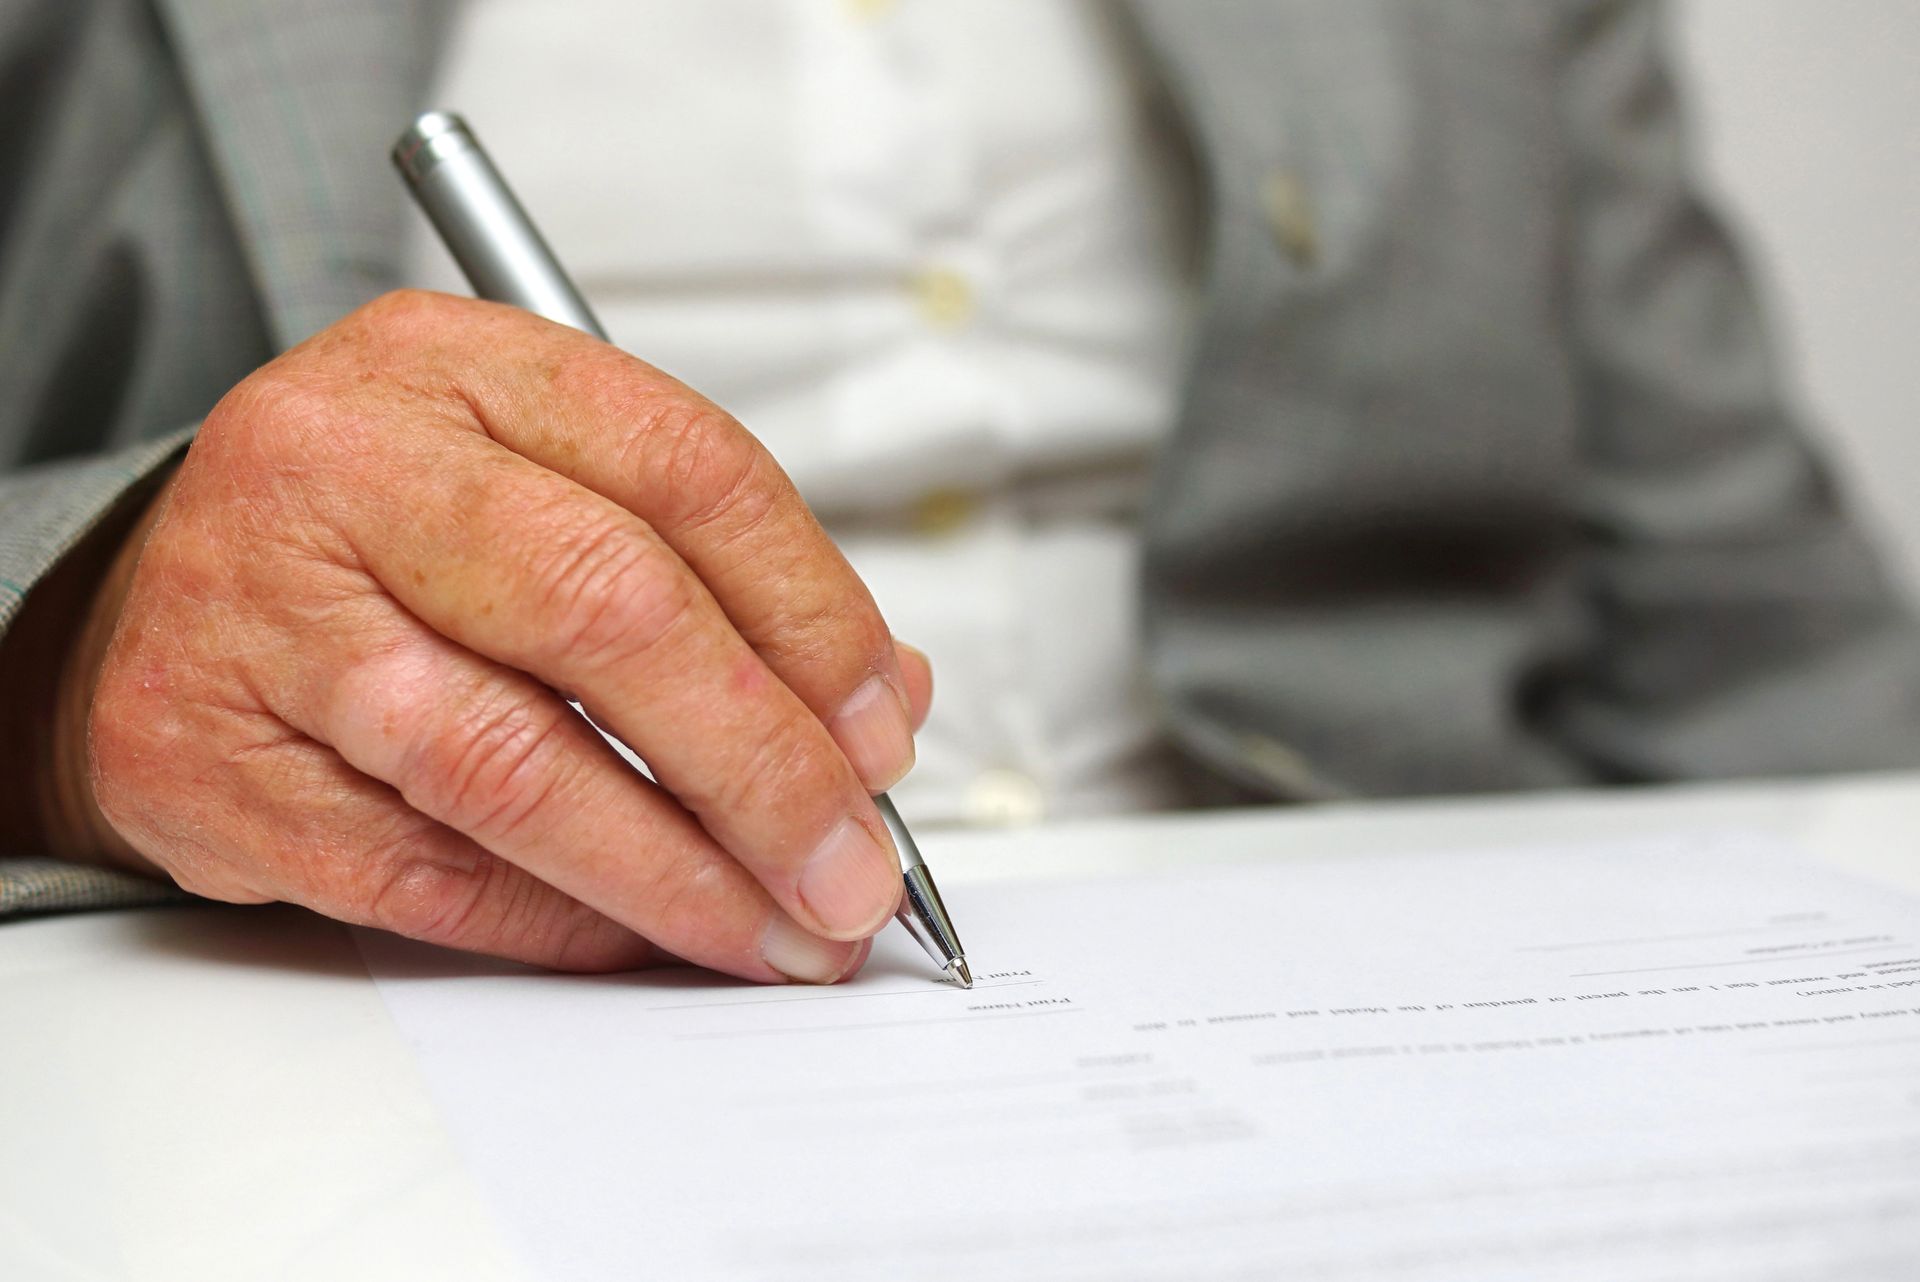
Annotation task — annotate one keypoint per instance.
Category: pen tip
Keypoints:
(961, 975)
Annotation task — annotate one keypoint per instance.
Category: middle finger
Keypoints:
(521, 565)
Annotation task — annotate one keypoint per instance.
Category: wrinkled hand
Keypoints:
(334, 676)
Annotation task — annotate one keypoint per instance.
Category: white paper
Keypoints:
(1697, 1058)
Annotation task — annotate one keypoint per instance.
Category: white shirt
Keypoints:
(935, 256)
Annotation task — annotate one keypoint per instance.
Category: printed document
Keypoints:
(1689, 1058)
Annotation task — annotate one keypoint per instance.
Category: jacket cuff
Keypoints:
(35, 884)
(47, 509)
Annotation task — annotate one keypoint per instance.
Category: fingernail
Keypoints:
(916, 717)
(850, 883)
(802, 956)
(871, 728)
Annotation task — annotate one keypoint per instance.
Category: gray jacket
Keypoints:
(1483, 479)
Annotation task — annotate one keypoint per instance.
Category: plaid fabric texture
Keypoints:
(29, 886)
(46, 510)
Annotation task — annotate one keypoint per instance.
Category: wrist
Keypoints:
(53, 654)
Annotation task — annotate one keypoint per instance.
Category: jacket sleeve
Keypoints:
(48, 508)
(45, 511)
(1740, 624)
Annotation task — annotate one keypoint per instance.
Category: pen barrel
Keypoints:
(924, 915)
(897, 828)
(922, 911)
(483, 225)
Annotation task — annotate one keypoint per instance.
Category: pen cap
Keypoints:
(482, 224)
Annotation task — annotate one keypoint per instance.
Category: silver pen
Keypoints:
(506, 260)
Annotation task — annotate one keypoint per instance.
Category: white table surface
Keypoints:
(218, 1093)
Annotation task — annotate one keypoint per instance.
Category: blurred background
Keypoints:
(1809, 130)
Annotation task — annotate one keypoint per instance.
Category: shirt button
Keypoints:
(1005, 798)
(943, 511)
(944, 297)
(1289, 211)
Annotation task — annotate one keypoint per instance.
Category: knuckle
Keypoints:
(494, 775)
(585, 942)
(700, 464)
(265, 414)
(412, 893)
(864, 634)
(305, 400)
(612, 596)
(829, 633)
(782, 766)
(406, 315)
(469, 898)
(681, 892)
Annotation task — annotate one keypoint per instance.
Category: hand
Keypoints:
(334, 676)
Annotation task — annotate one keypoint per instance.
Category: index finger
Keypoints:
(714, 494)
